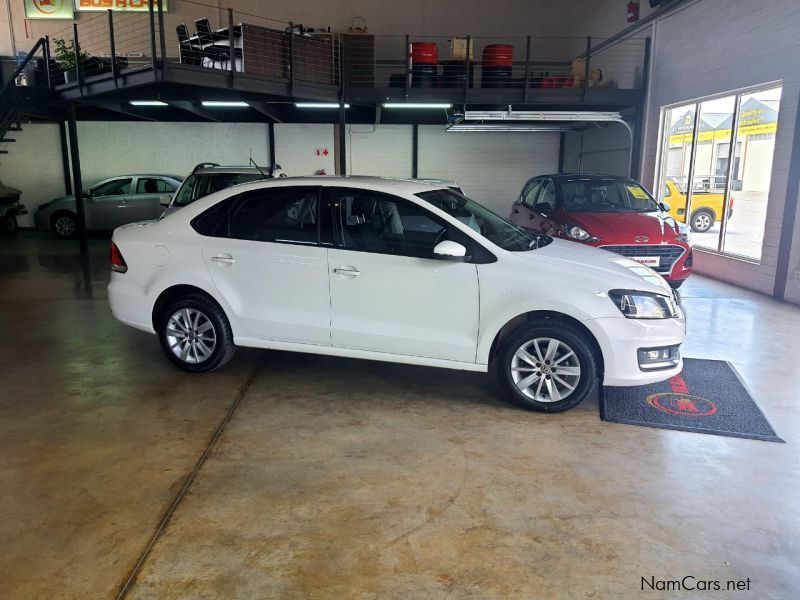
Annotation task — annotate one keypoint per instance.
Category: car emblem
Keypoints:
(641, 239)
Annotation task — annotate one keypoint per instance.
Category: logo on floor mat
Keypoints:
(682, 405)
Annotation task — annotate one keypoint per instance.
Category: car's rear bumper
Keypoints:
(129, 303)
(620, 340)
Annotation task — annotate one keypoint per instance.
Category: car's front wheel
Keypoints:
(8, 224)
(195, 334)
(547, 366)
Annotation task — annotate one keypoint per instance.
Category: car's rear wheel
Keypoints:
(195, 334)
(547, 366)
(702, 220)
(64, 225)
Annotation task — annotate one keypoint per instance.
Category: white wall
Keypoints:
(33, 165)
(384, 150)
(715, 46)
(300, 148)
(491, 167)
(604, 150)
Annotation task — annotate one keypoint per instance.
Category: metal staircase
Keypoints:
(14, 98)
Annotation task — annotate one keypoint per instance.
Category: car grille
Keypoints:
(667, 254)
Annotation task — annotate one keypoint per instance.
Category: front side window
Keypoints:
(493, 227)
(116, 187)
(605, 195)
(284, 215)
(530, 192)
(547, 199)
(153, 185)
(186, 192)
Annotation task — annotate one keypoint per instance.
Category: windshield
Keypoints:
(197, 186)
(493, 227)
(605, 195)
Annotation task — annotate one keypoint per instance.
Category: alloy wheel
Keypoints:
(190, 335)
(545, 370)
(64, 225)
(702, 222)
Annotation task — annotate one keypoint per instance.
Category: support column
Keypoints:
(62, 130)
(342, 146)
(76, 179)
(271, 141)
(415, 151)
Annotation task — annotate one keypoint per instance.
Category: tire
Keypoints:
(541, 332)
(64, 225)
(8, 225)
(702, 220)
(195, 334)
(676, 284)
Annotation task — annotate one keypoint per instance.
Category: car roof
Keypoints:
(381, 184)
(435, 180)
(175, 177)
(589, 176)
(230, 169)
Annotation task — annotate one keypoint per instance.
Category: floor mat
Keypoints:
(707, 397)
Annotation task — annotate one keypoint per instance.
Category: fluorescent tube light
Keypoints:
(422, 105)
(225, 104)
(501, 127)
(529, 115)
(319, 105)
(147, 103)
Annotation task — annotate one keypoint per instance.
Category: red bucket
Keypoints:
(498, 55)
(424, 53)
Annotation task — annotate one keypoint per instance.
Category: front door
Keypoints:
(107, 205)
(270, 266)
(388, 293)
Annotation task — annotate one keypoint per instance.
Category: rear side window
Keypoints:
(286, 215)
(214, 221)
(153, 185)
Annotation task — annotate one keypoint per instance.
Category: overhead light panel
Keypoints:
(503, 127)
(319, 105)
(224, 104)
(531, 115)
(147, 103)
(420, 105)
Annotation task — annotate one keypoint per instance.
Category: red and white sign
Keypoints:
(321, 152)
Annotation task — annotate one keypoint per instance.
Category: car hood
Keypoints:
(61, 200)
(601, 269)
(656, 226)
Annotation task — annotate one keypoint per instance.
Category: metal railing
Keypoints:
(245, 44)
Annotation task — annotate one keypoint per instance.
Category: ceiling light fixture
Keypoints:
(421, 105)
(147, 103)
(506, 128)
(530, 115)
(224, 104)
(319, 105)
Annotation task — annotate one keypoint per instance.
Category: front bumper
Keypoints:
(620, 340)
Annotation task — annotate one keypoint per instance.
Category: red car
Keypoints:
(609, 212)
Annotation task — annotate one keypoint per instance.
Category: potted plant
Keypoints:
(65, 58)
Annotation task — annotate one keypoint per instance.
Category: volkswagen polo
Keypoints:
(393, 270)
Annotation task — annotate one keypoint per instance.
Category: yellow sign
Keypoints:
(637, 192)
(754, 128)
(49, 9)
(119, 5)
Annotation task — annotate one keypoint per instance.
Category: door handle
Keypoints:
(347, 271)
(223, 259)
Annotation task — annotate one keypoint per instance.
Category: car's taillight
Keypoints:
(118, 263)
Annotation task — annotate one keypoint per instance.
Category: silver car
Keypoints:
(109, 204)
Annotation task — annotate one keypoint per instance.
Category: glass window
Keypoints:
(530, 192)
(146, 185)
(285, 215)
(186, 192)
(116, 187)
(493, 227)
(605, 195)
(214, 221)
(721, 195)
(548, 196)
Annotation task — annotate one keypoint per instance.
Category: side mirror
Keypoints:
(448, 250)
(543, 208)
(165, 199)
(665, 207)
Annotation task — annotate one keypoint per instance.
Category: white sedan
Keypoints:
(393, 270)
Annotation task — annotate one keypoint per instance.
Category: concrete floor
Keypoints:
(349, 479)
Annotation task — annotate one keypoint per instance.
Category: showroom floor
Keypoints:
(339, 478)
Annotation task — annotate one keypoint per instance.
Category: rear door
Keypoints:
(267, 262)
(388, 292)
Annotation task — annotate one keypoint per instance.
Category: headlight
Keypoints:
(683, 233)
(579, 234)
(643, 305)
(43, 206)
